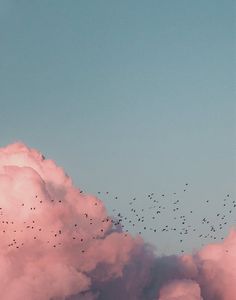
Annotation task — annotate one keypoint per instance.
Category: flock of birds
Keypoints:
(17, 233)
(163, 214)
(153, 216)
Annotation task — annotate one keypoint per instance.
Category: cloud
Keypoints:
(55, 241)
(59, 243)
(181, 290)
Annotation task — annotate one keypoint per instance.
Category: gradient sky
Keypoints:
(129, 97)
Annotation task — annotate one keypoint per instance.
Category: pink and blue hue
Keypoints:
(44, 256)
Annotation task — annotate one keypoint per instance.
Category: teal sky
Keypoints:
(129, 97)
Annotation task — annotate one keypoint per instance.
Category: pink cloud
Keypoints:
(58, 243)
(51, 235)
(181, 290)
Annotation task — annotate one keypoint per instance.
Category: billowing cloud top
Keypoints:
(54, 240)
(58, 243)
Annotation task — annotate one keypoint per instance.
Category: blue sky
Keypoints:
(130, 97)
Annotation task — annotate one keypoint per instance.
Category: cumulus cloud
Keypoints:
(181, 290)
(54, 240)
(58, 243)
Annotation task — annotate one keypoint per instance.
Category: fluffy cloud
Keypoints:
(55, 241)
(58, 243)
(181, 290)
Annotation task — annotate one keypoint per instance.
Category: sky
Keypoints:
(128, 97)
